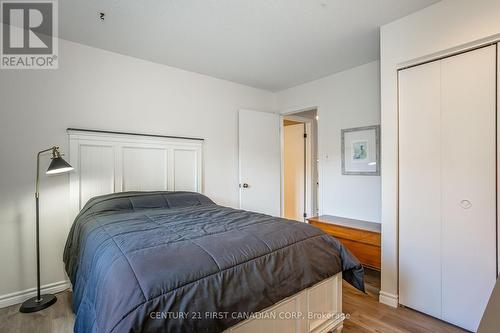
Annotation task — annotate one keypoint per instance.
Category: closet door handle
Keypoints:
(465, 204)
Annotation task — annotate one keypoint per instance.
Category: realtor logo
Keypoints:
(29, 34)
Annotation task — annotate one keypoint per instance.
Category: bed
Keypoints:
(177, 262)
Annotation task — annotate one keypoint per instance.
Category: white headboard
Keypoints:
(108, 162)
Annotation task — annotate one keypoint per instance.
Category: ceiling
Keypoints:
(268, 44)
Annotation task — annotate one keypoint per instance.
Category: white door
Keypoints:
(468, 201)
(259, 162)
(420, 189)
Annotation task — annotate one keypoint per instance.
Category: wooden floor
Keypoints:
(56, 319)
(365, 313)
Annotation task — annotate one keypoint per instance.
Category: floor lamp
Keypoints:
(57, 165)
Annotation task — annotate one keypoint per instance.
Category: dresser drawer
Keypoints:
(368, 255)
(360, 237)
(357, 235)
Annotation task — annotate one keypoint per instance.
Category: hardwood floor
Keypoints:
(56, 319)
(366, 314)
(372, 282)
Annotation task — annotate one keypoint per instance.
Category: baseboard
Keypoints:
(388, 299)
(20, 296)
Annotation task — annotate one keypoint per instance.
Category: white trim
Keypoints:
(20, 296)
(388, 299)
(491, 40)
(297, 109)
(498, 158)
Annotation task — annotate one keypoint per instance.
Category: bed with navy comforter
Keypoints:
(155, 261)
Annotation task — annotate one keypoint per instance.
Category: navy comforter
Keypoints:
(159, 261)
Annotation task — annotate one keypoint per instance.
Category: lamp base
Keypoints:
(34, 305)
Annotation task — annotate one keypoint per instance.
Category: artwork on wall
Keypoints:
(361, 151)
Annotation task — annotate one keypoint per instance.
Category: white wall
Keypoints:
(97, 89)
(435, 30)
(344, 100)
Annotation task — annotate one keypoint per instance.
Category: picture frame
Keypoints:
(361, 151)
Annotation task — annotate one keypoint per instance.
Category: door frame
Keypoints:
(311, 205)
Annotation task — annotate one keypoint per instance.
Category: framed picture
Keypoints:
(361, 151)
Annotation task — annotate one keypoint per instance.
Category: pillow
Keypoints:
(145, 200)
(186, 199)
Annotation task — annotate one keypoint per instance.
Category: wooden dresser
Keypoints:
(362, 238)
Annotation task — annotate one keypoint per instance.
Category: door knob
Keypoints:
(245, 185)
(465, 204)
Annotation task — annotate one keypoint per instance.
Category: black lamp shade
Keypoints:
(58, 165)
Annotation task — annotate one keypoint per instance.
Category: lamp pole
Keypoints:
(37, 199)
(40, 302)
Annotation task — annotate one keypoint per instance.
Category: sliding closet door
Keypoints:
(420, 189)
(468, 162)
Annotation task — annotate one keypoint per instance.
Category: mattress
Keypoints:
(178, 262)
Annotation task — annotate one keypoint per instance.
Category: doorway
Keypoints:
(299, 165)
